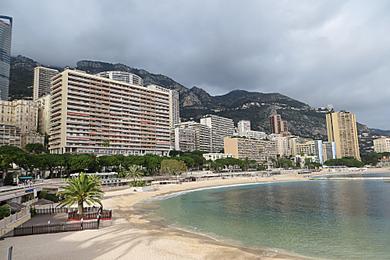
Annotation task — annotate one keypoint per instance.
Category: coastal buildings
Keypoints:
(20, 113)
(220, 128)
(191, 136)
(250, 148)
(243, 126)
(382, 145)
(278, 126)
(5, 54)
(283, 145)
(42, 81)
(244, 129)
(94, 114)
(342, 129)
(10, 135)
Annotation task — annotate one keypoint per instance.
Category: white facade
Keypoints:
(215, 156)
(382, 145)
(20, 113)
(122, 76)
(243, 126)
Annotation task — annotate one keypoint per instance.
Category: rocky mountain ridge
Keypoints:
(303, 120)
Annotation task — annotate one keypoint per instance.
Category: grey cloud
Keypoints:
(321, 52)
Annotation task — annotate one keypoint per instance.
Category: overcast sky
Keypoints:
(320, 52)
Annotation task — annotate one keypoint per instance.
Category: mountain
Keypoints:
(303, 120)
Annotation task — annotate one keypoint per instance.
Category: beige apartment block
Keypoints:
(10, 135)
(248, 148)
(93, 114)
(20, 113)
(42, 81)
(32, 138)
(382, 145)
(342, 130)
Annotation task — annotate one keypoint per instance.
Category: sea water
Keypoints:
(332, 219)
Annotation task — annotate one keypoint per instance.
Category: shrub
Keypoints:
(5, 211)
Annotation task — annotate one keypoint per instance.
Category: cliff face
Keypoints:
(195, 102)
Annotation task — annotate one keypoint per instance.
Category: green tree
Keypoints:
(172, 167)
(135, 172)
(371, 158)
(82, 162)
(9, 179)
(82, 189)
(152, 163)
(346, 161)
(35, 148)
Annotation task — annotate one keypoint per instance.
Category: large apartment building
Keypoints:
(382, 145)
(220, 128)
(42, 81)
(248, 148)
(95, 114)
(191, 136)
(342, 130)
(20, 113)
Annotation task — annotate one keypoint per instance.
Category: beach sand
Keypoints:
(132, 236)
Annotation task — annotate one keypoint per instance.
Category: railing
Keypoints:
(56, 210)
(104, 215)
(55, 228)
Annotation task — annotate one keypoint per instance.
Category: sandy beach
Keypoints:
(134, 236)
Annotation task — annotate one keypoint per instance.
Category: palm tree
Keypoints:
(134, 172)
(84, 188)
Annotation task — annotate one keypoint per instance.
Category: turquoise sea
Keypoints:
(331, 219)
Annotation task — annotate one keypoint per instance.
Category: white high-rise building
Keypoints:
(243, 126)
(382, 145)
(220, 128)
(42, 81)
(94, 114)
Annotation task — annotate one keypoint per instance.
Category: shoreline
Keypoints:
(133, 235)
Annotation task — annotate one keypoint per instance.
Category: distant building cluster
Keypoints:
(114, 112)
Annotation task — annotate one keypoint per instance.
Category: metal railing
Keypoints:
(56, 210)
(55, 228)
(105, 214)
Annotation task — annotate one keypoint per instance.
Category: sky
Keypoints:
(319, 52)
